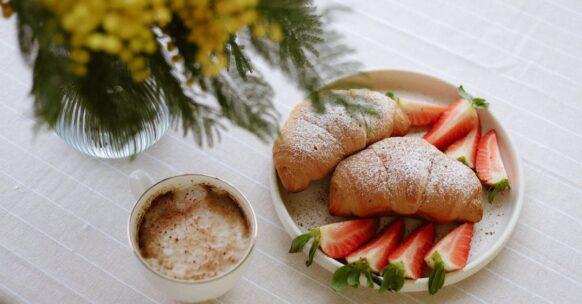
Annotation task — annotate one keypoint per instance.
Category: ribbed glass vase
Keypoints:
(90, 140)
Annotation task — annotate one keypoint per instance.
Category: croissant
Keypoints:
(311, 144)
(405, 176)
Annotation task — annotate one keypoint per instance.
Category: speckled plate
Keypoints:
(302, 211)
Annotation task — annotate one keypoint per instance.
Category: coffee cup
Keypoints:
(145, 191)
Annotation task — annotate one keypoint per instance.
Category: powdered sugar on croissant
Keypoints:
(405, 176)
(312, 144)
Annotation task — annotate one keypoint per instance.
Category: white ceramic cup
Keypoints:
(145, 191)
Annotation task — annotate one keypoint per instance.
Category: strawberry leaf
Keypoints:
(339, 280)
(314, 246)
(369, 279)
(354, 278)
(299, 242)
(498, 187)
(349, 275)
(464, 93)
(464, 161)
(393, 277)
(478, 103)
(393, 97)
(436, 280)
(363, 268)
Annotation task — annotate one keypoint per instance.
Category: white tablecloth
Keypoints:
(63, 215)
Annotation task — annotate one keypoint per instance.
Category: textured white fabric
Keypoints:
(63, 216)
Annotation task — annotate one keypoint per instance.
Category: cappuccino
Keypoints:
(195, 233)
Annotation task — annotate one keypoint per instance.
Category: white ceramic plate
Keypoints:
(302, 211)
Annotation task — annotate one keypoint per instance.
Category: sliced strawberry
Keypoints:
(456, 121)
(369, 258)
(454, 248)
(419, 113)
(338, 239)
(465, 149)
(449, 254)
(407, 260)
(412, 251)
(376, 252)
(489, 165)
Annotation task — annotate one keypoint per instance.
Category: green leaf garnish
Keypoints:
(464, 161)
(478, 103)
(498, 187)
(393, 96)
(349, 275)
(300, 241)
(369, 279)
(339, 280)
(393, 277)
(464, 93)
(354, 278)
(313, 249)
(436, 280)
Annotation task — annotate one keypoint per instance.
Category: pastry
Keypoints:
(311, 144)
(405, 176)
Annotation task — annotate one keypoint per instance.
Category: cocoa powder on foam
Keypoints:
(193, 234)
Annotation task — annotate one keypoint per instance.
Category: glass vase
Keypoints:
(93, 141)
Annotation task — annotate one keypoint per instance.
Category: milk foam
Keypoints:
(194, 234)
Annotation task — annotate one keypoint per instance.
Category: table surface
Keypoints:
(63, 215)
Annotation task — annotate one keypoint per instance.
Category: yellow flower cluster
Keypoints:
(272, 30)
(212, 22)
(116, 27)
(124, 28)
(6, 8)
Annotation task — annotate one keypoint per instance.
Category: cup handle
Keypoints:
(139, 182)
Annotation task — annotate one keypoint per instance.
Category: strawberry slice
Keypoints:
(407, 260)
(449, 254)
(376, 252)
(419, 113)
(369, 258)
(465, 149)
(337, 240)
(456, 121)
(489, 165)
